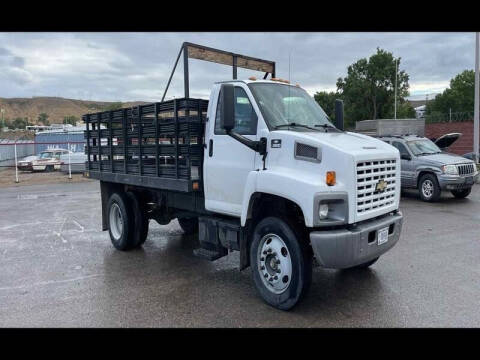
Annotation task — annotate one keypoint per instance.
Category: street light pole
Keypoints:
(396, 71)
(477, 95)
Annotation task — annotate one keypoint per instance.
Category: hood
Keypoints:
(444, 159)
(352, 143)
(29, 158)
(445, 141)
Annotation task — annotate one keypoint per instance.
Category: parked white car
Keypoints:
(48, 160)
(77, 162)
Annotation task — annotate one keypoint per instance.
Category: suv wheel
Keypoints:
(460, 194)
(429, 188)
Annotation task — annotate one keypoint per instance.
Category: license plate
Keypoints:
(469, 180)
(382, 236)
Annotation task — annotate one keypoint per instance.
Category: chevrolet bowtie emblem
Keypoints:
(381, 185)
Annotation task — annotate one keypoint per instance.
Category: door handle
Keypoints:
(210, 148)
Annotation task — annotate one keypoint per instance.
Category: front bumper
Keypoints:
(25, 167)
(344, 248)
(449, 182)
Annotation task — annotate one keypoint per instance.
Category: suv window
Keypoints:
(403, 150)
(245, 116)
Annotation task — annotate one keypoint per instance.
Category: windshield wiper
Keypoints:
(295, 125)
(326, 126)
(427, 153)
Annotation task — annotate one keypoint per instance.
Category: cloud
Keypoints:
(136, 66)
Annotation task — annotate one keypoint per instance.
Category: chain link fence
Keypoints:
(437, 117)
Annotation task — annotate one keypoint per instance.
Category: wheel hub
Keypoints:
(427, 188)
(274, 263)
(116, 221)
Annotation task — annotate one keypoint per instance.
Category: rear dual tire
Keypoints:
(189, 225)
(127, 222)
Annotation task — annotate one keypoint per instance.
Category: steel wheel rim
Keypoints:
(274, 263)
(116, 221)
(427, 188)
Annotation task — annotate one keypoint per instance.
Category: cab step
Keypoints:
(210, 255)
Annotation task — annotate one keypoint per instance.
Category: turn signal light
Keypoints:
(195, 186)
(253, 78)
(331, 179)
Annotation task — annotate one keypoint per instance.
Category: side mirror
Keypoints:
(339, 114)
(405, 157)
(228, 107)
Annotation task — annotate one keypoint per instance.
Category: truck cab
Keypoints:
(276, 181)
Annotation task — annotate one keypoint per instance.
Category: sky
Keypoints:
(136, 66)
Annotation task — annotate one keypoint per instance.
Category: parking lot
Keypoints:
(58, 269)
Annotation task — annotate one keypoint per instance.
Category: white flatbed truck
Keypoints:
(259, 169)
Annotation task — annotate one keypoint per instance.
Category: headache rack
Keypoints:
(157, 145)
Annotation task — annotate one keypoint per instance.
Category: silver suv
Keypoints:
(427, 168)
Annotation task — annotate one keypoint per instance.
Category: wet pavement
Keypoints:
(58, 269)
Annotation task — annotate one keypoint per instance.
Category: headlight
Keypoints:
(323, 211)
(450, 169)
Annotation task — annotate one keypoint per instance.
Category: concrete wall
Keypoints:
(461, 146)
(383, 127)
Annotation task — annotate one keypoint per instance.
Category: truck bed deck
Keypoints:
(158, 145)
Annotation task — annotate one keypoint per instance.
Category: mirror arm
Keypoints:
(258, 146)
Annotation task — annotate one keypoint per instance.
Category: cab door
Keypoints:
(228, 162)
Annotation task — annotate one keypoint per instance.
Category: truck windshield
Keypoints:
(423, 147)
(282, 104)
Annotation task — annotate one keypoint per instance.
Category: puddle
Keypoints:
(37, 196)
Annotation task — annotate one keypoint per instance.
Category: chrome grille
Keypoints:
(369, 174)
(465, 169)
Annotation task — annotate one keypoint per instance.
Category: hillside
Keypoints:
(56, 108)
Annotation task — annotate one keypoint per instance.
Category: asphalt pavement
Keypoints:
(58, 269)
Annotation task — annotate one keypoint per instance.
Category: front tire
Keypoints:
(281, 263)
(460, 194)
(429, 189)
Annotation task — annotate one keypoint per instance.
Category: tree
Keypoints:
(327, 101)
(459, 97)
(70, 120)
(18, 123)
(113, 106)
(369, 88)
(43, 118)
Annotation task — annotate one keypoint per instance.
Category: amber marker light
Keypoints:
(195, 186)
(331, 178)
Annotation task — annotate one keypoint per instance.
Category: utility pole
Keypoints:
(396, 71)
(477, 95)
(3, 120)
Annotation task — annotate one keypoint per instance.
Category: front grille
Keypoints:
(369, 174)
(466, 169)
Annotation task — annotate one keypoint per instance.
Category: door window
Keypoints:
(403, 150)
(245, 116)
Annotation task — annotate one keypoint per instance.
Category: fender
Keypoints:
(280, 184)
(426, 168)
